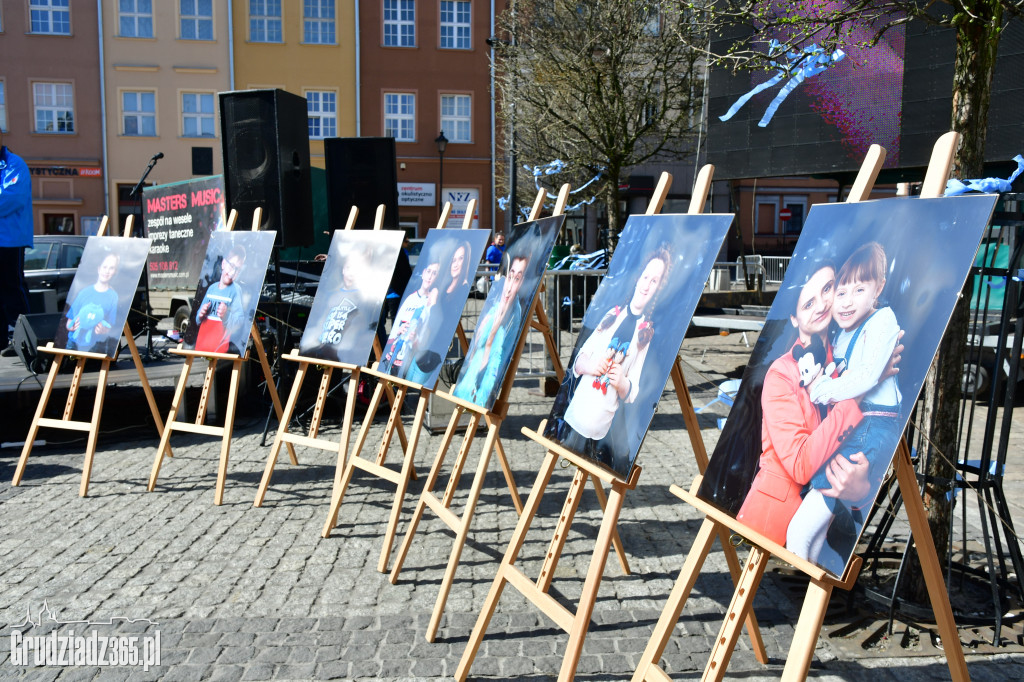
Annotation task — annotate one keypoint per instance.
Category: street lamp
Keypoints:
(442, 144)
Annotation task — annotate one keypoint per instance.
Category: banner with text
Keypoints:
(179, 218)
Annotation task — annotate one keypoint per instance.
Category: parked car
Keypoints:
(51, 264)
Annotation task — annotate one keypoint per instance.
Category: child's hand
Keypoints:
(73, 324)
(222, 310)
(205, 310)
(891, 369)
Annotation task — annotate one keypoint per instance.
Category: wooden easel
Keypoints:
(493, 419)
(578, 623)
(312, 439)
(197, 426)
(812, 615)
(91, 427)
(347, 465)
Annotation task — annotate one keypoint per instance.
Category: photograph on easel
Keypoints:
(229, 291)
(346, 309)
(101, 294)
(431, 306)
(631, 334)
(507, 310)
(837, 369)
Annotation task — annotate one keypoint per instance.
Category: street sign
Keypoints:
(785, 214)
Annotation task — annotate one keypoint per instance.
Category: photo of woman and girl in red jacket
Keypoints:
(838, 367)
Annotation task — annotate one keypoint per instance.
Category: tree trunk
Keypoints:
(977, 44)
(611, 200)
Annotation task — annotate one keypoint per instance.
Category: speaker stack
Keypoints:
(265, 139)
(361, 172)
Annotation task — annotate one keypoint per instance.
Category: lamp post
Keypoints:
(442, 144)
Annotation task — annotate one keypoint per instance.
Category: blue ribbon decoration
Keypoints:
(552, 168)
(807, 63)
(987, 185)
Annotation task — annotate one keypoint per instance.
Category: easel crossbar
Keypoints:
(319, 443)
(562, 616)
(446, 514)
(65, 424)
(201, 429)
(376, 469)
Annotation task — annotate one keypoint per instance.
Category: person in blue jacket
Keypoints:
(15, 237)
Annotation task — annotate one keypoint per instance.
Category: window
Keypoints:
(318, 22)
(196, 19)
(54, 107)
(58, 223)
(50, 16)
(136, 18)
(455, 24)
(322, 108)
(455, 118)
(138, 111)
(3, 107)
(399, 23)
(265, 21)
(400, 116)
(197, 114)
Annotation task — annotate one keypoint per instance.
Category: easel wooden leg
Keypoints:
(506, 470)
(549, 341)
(805, 636)
(94, 430)
(33, 429)
(514, 547)
(620, 551)
(146, 388)
(742, 600)
(428, 488)
(930, 564)
(569, 507)
(648, 667)
(229, 423)
(461, 534)
(257, 341)
(581, 623)
(701, 455)
(407, 468)
(282, 428)
(165, 437)
(345, 467)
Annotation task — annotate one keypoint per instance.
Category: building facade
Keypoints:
(50, 109)
(425, 73)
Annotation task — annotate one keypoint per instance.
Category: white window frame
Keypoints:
(62, 102)
(457, 124)
(197, 20)
(322, 114)
(50, 17)
(264, 25)
(400, 116)
(199, 115)
(457, 28)
(400, 18)
(139, 114)
(136, 16)
(317, 28)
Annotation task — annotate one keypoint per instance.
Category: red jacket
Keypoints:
(795, 442)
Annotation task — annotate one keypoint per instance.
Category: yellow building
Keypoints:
(276, 45)
(163, 65)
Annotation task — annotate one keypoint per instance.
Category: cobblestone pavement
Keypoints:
(240, 593)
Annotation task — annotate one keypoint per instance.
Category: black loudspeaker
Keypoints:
(202, 160)
(31, 331)
(361, 172)
(265, 137)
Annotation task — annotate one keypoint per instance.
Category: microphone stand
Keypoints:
(139, 229)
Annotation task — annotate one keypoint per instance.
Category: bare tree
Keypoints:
(602, 85)
(978, 26)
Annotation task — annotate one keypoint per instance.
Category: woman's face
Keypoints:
(814, 307)
(108, 268)
(647, 285)
(458, 258)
